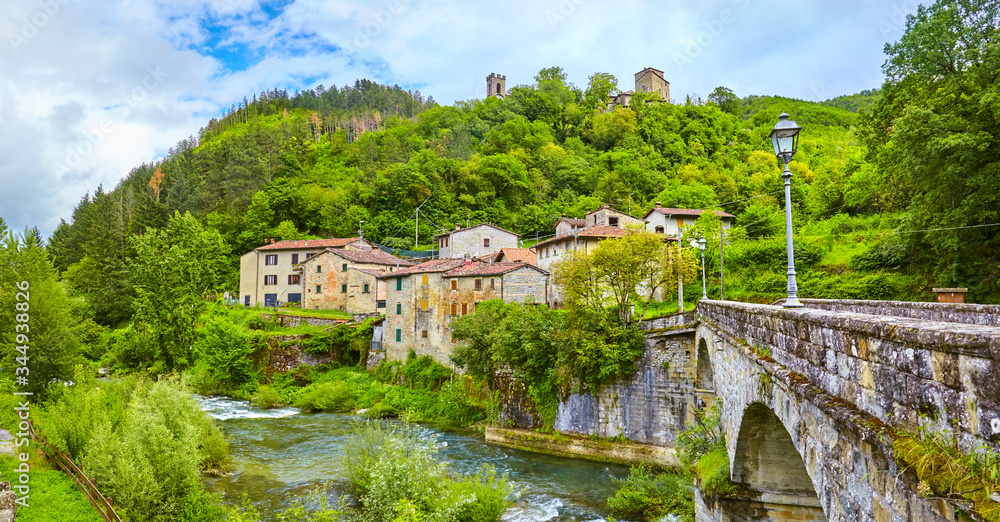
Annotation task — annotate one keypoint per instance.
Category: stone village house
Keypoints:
(668, 221)
(476, 241)
(422, 300)
(346, 279)
(269, 275)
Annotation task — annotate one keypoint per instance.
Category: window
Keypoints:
(493, 284)
(454, 284)
(343, 268)
(293, 279)
(423, 280)
(399, 335)
(659, 229)
(271, 259)
(613, 221)
(295, 259)
(343, 289)
(486, 242)
(319, 289)
(270, 280)
(319, 269)
(399, 308)
(454, 309)
(423, 304)
(444, 242)
(465, 308)
(366, 289)
(399, 283)
(423, 334)
(479, 284)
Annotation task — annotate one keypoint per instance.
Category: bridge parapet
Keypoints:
(893, 368)
(985, 315)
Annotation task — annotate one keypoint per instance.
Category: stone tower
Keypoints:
(496, 85)
(650, 79)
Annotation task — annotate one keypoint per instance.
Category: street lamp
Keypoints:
(785, 139)
(701, 245)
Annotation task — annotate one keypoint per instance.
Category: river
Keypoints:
(281, 453)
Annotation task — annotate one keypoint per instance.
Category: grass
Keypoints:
(323, 314)
(842, 252)
(662, 308)
(53, 495)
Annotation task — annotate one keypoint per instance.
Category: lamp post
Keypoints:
(701, 246)
(785, 139)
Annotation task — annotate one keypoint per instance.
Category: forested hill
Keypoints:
(321, 162)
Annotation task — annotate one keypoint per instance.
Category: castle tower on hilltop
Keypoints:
(496, 85)
(652, 80)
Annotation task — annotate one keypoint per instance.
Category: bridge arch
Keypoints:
(704, 371)
(766, 459)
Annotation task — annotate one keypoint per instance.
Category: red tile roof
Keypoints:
(371, 257)
(684, 212)
(486, 269)
(311, 243)
(599, 231)
(436, 265)
(522, 255)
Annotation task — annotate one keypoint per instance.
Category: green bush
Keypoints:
(327, 396)
(224, 349)
(712, 470)
(651, 496)
(424, 372)
(380, 410)
(394, 472)
(267, 397)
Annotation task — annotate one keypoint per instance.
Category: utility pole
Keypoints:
(680, 279)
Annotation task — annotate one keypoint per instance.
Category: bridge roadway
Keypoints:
(806, 394)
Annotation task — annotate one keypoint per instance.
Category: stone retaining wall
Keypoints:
(579, 447)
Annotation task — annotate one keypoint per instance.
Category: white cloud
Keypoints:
(108, 86)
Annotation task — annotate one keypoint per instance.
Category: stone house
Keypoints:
(346, 279)
(646, 80)
(668, 221)
(475, 241)
(422, 300)
(567, 225)
(269, 274)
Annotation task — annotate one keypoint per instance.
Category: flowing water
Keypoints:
(278, 454)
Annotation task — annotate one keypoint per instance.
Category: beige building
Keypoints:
(583, 235)
(476, 241)
(422, 300)
(668, 221)
(346, 279)
(269, 275)
(496, 86)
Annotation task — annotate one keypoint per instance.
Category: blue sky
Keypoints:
(89, 90)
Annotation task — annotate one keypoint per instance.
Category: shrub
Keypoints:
(423, 372)
(224, 348)
(712, 470)
(327, 396)
(267, 397)
(380, 411)
(651, 496)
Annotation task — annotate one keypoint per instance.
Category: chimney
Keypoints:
(657, 204)
(458, 227)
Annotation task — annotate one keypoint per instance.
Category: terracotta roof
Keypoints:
(436, 265)
(476, 226)
(310, 243)
(684, 212)
(599, 231)
(522, 255)
(371, 257)
(486, 269)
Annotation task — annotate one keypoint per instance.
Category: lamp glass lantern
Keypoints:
(785, 138)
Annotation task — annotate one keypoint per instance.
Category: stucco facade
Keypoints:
(347, 280)
(476, 241)
(662, 220)
(269, 275)
(421, 301)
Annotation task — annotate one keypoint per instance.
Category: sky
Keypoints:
(91, 89)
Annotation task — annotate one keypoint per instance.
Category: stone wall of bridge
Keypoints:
(806, 392)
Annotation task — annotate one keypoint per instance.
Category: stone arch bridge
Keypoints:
(806, 392)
